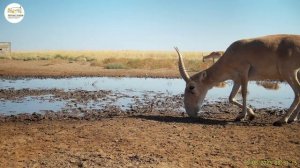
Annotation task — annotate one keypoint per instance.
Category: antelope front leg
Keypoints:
(233, 93)
(287, 115)
(296, 114)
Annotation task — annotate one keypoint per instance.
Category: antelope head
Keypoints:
(195, 90)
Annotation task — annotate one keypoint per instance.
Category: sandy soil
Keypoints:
(54, 68)
(140, 137)
(149, 140)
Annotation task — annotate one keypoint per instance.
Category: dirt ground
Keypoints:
(138, 137)
(149, 141)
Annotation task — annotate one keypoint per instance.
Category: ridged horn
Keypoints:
(181, 67)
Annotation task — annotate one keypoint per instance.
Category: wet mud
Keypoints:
(93, 105)
(108, 128)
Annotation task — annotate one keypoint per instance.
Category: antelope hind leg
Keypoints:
(295, 116)
(295, 85)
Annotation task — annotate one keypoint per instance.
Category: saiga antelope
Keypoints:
(274, 57)
(213, 55)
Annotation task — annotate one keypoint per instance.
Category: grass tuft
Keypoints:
(115, 66)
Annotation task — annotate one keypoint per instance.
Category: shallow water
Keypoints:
(30, 104)
(128, 88)
(97, 83)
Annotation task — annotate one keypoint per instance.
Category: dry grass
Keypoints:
(124, 59)
(100, 55)
(272, 85)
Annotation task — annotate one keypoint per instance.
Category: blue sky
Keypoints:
(146, 24)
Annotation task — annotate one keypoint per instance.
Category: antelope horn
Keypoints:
(181, 67)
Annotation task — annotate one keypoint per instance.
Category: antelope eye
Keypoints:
(192, 87)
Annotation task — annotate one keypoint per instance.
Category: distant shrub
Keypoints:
(4, 57)
(90, 59)
(80, 58)
(29, 58)
(109, 60)
(71, 59)
(43, 58)
(115, 66)
(58, 56)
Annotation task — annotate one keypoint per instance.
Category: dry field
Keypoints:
(114, 59)
(99, 63)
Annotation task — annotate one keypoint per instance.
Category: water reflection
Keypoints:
(278, 95)
(30, 104)
(174, 86)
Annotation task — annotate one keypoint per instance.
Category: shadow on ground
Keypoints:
(260, 121)
(178, 119)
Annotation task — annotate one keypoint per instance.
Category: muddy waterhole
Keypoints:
(33, 95)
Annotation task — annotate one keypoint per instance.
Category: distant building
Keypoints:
(5, 49)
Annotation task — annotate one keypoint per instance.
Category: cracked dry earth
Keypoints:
(150, 140)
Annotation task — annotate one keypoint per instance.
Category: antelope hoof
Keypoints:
(279, 123)
(252, 117)
(293, 120)
(239, 118)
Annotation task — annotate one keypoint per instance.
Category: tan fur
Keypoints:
(213, 55)
(274, 57)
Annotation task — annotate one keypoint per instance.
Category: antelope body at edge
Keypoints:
(274, 57)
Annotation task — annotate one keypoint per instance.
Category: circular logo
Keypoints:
(14, 13)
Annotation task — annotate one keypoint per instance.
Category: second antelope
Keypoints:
(274, 57)
(213, 55)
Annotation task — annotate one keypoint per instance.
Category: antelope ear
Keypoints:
(203, 75)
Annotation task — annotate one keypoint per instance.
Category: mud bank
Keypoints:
(149, 140)
(93, 105)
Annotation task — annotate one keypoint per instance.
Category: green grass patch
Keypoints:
(4, 57)
(115, 66)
